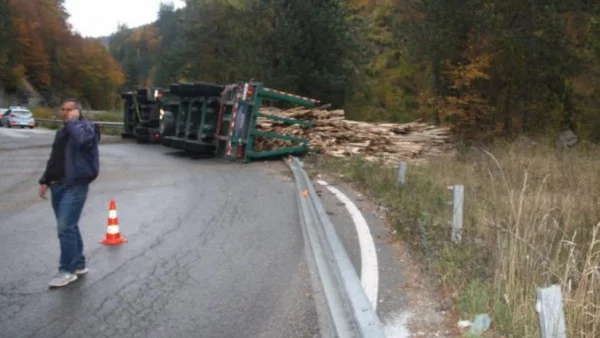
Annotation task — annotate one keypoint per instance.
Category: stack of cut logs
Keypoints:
(333, 135)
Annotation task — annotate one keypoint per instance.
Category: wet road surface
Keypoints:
(215, 249)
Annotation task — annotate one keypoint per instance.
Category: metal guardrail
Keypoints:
(99, 123)
(349, 309)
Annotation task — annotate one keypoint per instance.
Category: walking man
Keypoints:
(72, 166)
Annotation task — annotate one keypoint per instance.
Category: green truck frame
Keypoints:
(237, 128)
(217, 120)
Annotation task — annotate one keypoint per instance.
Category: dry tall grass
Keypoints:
(532, 219)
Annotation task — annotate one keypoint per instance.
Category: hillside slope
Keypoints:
(37, 44)
(148, 53)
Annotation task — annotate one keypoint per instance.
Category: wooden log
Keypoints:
(335, 136)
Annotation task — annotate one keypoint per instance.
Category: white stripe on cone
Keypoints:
(112, 229)
(112, 214)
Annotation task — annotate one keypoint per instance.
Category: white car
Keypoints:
(17, 117)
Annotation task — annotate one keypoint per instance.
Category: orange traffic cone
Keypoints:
(113, 236)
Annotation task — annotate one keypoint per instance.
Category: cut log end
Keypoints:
(335, 136)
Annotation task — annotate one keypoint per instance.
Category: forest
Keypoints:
(487, 68)
(37, 45)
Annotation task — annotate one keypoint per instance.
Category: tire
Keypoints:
(196, 89)
(141, 139)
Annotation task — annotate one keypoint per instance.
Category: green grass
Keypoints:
(107, 117)
(44, 113)
(531, 219)
(53, 113)
(111, 131)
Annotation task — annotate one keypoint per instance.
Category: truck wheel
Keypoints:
(196, 89)
(141, 139)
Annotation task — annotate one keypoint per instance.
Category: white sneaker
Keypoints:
(62, 279)
(80, 272)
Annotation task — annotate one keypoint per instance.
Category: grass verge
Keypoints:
(52, 113)
(531, 219)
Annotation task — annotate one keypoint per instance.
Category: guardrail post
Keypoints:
(549, 305)
(402, 173)
(457, 211)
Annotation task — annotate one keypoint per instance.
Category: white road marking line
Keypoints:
(369, 275)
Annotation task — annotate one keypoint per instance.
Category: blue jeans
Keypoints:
(68, 202)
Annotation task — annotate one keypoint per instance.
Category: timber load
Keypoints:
(333, 135)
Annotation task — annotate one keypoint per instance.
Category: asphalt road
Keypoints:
(16, 138)
(215, 249)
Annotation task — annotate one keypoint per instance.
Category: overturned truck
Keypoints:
(190, 116)
(141, 115)
(211, 119)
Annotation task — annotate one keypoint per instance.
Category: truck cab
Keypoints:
(141, 114)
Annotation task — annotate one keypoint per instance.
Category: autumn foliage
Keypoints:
(38, 46)
(487, 68)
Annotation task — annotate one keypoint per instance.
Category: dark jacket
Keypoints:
(82, 163)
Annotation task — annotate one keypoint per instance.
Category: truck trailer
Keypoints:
(211, 119)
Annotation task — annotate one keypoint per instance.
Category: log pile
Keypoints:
(333, 135)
